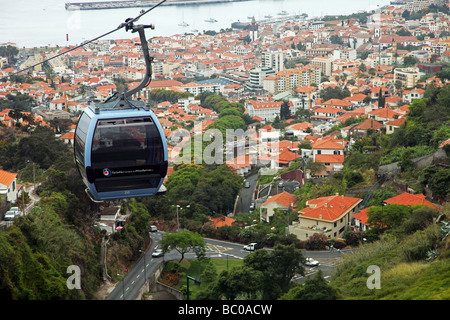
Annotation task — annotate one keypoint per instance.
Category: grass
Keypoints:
(195, 269)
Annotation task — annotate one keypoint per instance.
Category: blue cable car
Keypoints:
(120, 148)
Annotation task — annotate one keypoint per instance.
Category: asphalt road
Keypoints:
(128, 288)
(247, 197)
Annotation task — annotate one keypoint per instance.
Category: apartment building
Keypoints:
(407, 76)
(257, 75)
(273, 59)
(292, 78)
(324, 63)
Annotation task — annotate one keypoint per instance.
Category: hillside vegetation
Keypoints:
(410, 268)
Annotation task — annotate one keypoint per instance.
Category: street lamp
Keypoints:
(178, 218)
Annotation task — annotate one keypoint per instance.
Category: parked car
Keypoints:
(152, 229)
(10, 215)
(158, 253)
(310, 262)
(252, 206)
(247, 184)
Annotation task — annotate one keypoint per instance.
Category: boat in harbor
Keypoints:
(183, 24)
(283, 13)
(211, 20)
(268, 16)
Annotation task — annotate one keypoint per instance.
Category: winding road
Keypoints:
(128, 288)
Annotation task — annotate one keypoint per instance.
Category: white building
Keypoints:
(257, 76)
(273, 59)
(265, 110)
(8, 185)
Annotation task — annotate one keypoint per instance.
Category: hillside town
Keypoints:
(323, 140)
(376, 61)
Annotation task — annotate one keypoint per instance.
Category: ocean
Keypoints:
(39, 23)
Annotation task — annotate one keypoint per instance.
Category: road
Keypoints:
(246, 196)
(129, 287)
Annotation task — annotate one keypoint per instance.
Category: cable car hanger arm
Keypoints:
(148, 59)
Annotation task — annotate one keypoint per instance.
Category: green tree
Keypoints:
(183, 242)
(316, 288)
(386, 217)
(239, 280)
(285, 111)
(278, 268)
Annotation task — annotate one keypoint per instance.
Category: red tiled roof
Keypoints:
(329, 158)
(287, 156)
(6, 178)
(300, 126)
(368, 124)
(285, 199)
(327, 144)
(409, 199)
(397, 122)
(362, 215)
(329, 208)
(222, 221)
(68, 135)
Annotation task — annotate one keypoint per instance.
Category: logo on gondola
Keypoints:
(106, 172)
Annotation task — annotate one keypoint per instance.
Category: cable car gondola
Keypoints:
(120, 148)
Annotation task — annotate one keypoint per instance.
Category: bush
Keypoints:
(318, 241)
(415, 248)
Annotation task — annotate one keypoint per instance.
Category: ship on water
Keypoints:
(98, 5)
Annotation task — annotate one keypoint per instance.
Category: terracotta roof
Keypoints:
(222, 221)
(300, 126)
(329, 208)
(397, 122)
(362, 215)
(6, 178)
(327, 144)
(356, 97)
(337, 103)
(68, 135)
(287, 156)
(285, 199)
(368, 124)
(329, 158)
(409, 199)
(384, 113)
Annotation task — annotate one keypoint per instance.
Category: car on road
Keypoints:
(10, 215)
(247, 184)
(153, 229)
(252, 246)
(252, 206)
(310, 262)
(158, 253)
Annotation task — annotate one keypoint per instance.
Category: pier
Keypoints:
(99, 5)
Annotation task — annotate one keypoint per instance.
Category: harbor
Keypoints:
(99, 5)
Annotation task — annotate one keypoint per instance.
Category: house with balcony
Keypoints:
(329, 146)
(329, 215)
(333, 163)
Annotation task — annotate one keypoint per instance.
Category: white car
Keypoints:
(158, 253)
(310, 262)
